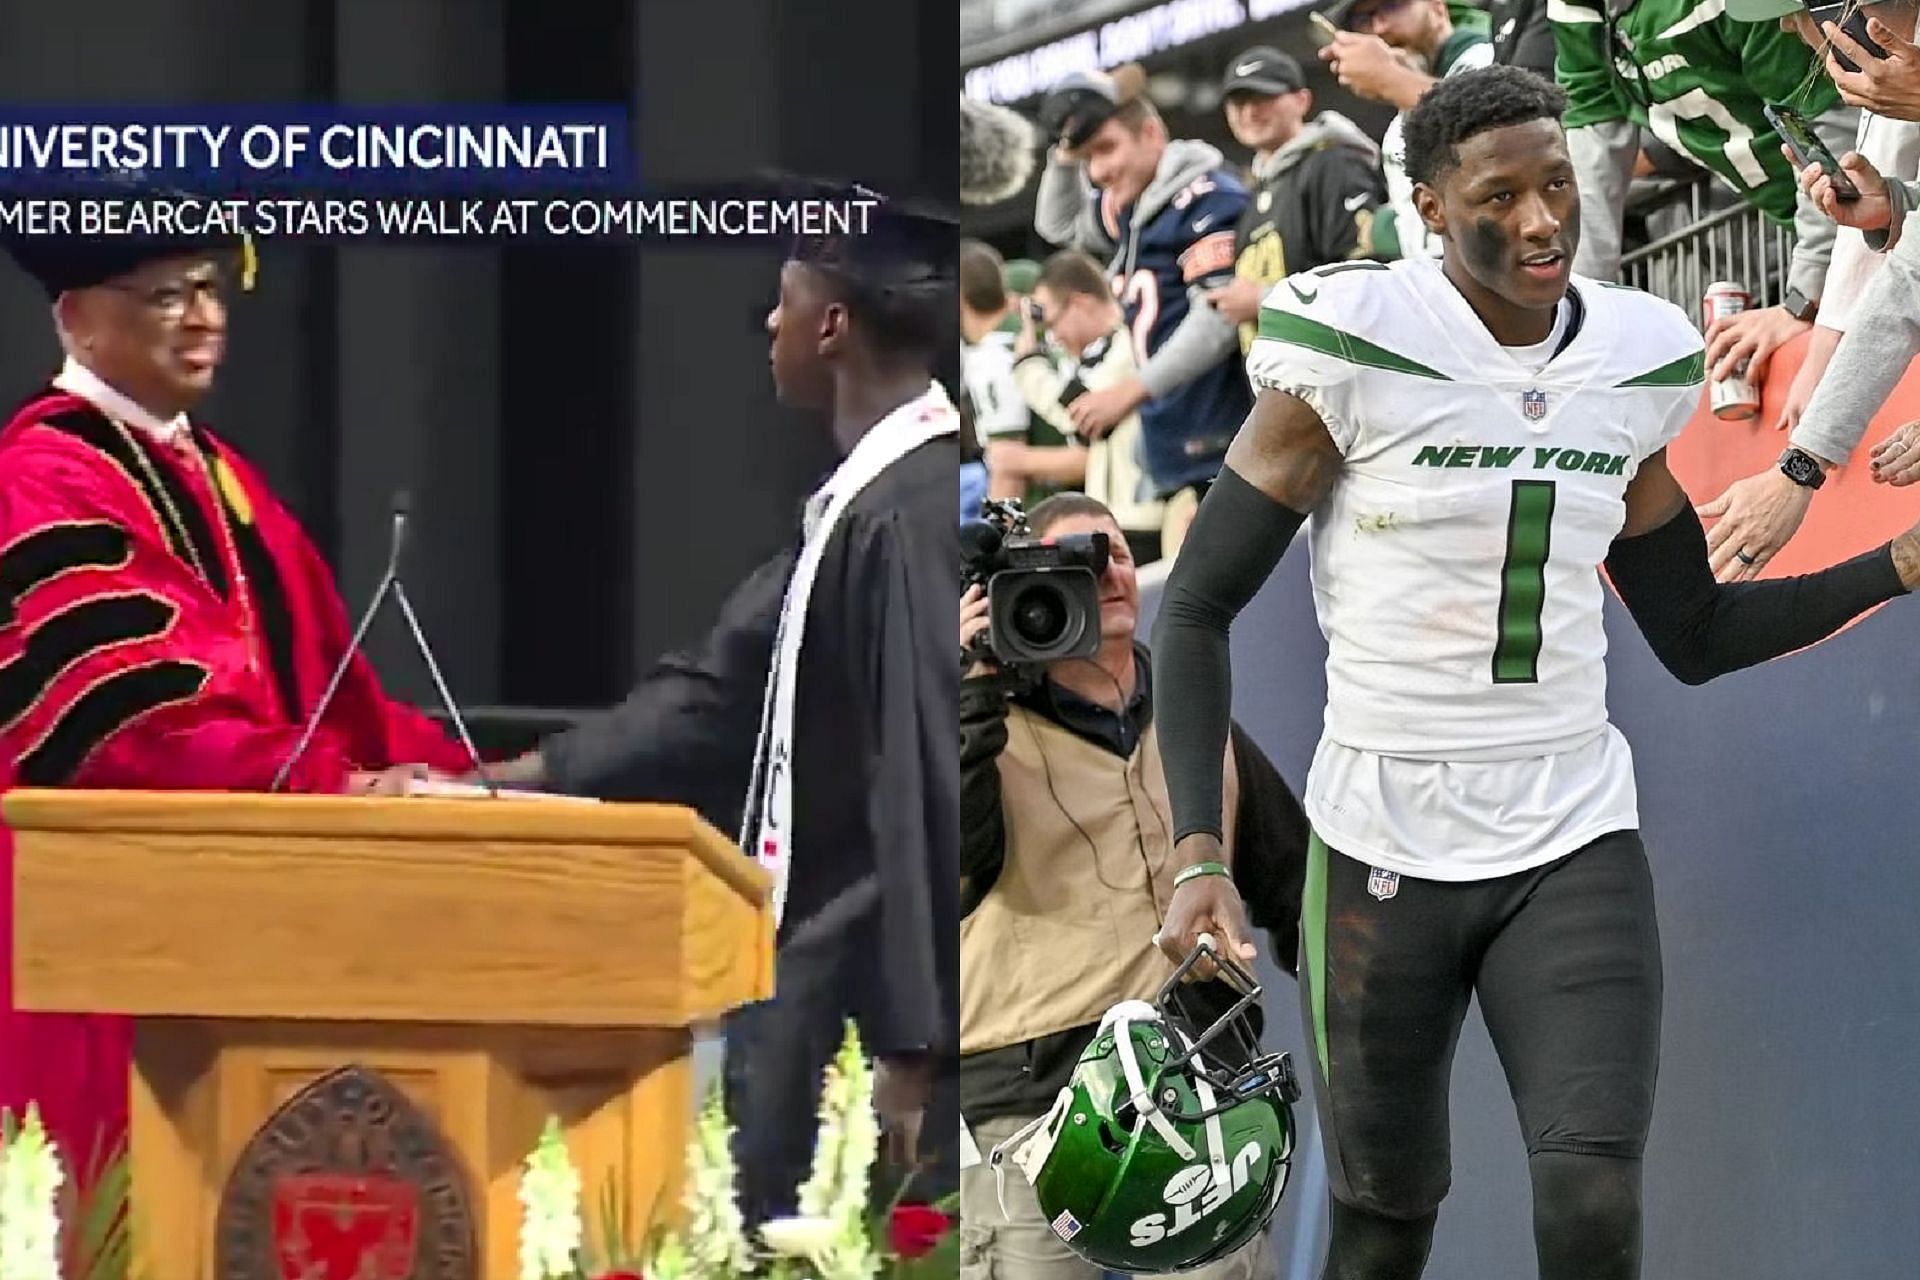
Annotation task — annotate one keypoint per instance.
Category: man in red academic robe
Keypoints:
(164, 621)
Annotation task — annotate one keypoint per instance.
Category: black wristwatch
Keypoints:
(1799, 305)
(1801, 467)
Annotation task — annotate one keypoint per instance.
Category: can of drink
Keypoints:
(1735, 398)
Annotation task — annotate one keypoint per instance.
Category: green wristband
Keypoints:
(1199, 869)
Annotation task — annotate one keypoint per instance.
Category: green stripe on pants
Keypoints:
(1313, 932)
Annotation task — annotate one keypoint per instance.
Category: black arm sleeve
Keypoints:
(1236, 539)
(1700, 628)
(983, 825)
(1270, 835)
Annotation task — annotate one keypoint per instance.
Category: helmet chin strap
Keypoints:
(1122, 1017)
(1216, 1143)
(1030, 1155)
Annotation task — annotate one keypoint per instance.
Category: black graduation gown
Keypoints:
(685, 734)
(871, 929)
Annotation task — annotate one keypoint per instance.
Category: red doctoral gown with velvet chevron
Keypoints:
(164, 624)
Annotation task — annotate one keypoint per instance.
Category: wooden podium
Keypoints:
(496, 961)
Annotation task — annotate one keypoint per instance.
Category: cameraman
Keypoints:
(1066, 866)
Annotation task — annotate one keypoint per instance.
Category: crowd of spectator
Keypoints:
(1114, 365)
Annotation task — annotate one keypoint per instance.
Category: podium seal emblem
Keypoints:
(348, 1180)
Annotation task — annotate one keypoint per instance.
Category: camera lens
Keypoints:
(1043, 612)
(1039, 615)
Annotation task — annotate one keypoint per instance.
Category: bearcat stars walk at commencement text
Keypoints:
(477, 217)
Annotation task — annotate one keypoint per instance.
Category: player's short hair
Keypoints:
(1051, 510)
(1470, 103)
(1071, 271)
(911, 322)
(983, 283)
(898, 285)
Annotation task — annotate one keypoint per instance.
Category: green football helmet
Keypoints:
(1170, 1145)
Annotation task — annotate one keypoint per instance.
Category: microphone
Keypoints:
(979, 543)
(440, 687)
(390, 584)
(399, 509)
(996, 152)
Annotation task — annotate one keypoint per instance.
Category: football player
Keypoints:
(1470, 440)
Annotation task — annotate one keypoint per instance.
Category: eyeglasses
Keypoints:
(1049, 318)
(171, 301)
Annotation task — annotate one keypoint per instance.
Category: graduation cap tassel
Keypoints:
(249, 263)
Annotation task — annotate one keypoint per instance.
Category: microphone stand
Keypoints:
(389, 585)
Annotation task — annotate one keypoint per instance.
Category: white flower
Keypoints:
(550, 1226)
(30, 1178)
(835, 1249)
(802, 1237)
(849, 1139)
(669, 1261)
(716, 1242)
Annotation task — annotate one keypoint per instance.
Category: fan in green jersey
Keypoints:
(1699, 80)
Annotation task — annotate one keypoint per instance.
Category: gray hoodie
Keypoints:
(1066, 214)
(1328, 129)
(1882, 338)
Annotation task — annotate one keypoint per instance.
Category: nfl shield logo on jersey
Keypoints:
(1534, 405)
(1383, 884)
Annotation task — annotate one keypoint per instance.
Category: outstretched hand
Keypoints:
(1896, 460)
(1756, 516)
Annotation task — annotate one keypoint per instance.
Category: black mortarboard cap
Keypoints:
(898, 245)
(64, 261)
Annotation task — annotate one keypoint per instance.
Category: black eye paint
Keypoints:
(1486, 248)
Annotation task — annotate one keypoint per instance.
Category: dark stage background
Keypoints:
(588, 433)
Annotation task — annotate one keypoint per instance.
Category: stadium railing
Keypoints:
(1738, 244)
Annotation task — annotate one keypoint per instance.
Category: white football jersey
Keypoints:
(986, 370)
(1456, 562)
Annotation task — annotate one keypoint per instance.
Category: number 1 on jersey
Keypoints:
(1523, 582)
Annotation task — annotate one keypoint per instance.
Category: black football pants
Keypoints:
(1565, 961)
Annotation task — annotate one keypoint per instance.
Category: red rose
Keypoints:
(915, 1229)
(619, 1275)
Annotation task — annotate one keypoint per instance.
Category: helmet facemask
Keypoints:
(1227, 1053)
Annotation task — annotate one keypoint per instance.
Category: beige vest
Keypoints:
(1066, 931)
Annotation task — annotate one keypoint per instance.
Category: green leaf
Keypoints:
(102, 1244)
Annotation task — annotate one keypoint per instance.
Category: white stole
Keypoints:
(766, 830)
